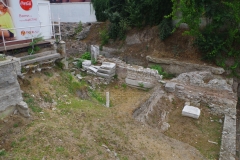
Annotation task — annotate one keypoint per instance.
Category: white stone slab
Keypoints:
(190, 111)
(138, 83)
(108, 65)
(93, 69)
(86, 63)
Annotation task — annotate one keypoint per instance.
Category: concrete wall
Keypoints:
(73, 12)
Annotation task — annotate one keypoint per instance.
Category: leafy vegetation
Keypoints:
(131, 13)
(162, 72)
(79, 28)
(219, 39)
(165, 28)
(104, 37)
(34, 48)
(2, 57)
(86, 55)
(31, 103)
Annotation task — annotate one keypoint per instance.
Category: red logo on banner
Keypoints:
(26, 4)
(23, 33)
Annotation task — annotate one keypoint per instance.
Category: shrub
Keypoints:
(86, 55)
(165, 29)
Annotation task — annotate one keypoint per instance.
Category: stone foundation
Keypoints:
(10, 92)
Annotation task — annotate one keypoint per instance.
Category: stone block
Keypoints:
(170, 87)
(86, 63)
(93, 69)
(190, 111)
(112, 71)
(22, 108)
(138, 83)
(108, 65)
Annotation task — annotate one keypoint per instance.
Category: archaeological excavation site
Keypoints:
(76, 99)
(112, 88)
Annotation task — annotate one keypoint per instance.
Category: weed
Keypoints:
(79, 63)
(94, 61)
(124, 85)
(115, 76)
(60, 149)
(2, 57)
(86, 55)
(2, 152)
(79, 28)
(97, 96)
(15, 125)
(116, 87)
(59, 64)
(22, 139)
(141, 85)
(13, 144)
(162, 72)
(48, 74)
(34, 49)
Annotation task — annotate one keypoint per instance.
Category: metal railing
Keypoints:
(52, 33)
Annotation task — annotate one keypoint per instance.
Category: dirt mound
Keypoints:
(177, 46)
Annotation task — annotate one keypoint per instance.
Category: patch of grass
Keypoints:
(2, 152)
(97, 96)
(2, 57)
(198, 132)
(124, 85)
(59, 64)
(46, 96)
(15, 125)
(48, 74)
(22, 139)
(71, 83)
(14, 144)
(31, 103)
(162, 72)
(79, 28)
(60, 149)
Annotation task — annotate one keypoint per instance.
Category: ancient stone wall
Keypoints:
(10, 93)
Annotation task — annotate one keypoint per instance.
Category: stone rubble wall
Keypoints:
(207, 89)
(10, 92)
(133, 75)
(216, 93)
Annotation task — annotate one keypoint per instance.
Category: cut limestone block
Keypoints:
(108, 65)
(86, 63)
(170, 87)
(190, 111)
(138, 83)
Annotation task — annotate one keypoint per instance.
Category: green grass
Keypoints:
(2, 152)
(31, 103)
(48, 74)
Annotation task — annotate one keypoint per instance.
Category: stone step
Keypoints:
(41, 58)
(37, 55)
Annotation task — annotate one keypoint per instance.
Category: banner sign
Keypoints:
(21, 14)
